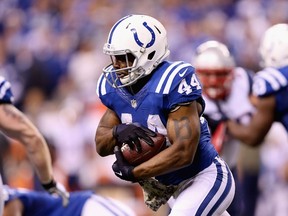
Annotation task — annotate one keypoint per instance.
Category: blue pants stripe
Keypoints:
(213, 190)
(223, 196)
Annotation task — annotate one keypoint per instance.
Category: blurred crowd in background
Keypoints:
(51, 52)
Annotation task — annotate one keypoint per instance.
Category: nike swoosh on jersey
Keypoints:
(183, 73)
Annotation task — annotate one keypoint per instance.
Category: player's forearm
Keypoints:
(105, 142)
(181, 153)
(37, 152)
(172, 158)
(244, 134)
(17, 126)
(39, 155)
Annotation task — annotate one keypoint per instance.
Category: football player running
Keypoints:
(226, 91)
(141, 87)
(16, 125)
(270, 88)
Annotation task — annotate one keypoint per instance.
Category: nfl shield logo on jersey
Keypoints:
(134, 103)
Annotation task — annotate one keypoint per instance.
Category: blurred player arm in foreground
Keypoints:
(17, 126)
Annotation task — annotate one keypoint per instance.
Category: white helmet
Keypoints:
(140, 36)
(274, 46)
(214, 65)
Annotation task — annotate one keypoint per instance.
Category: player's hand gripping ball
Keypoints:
(135, 158)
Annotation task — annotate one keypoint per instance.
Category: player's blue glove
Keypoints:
(130, 134)
(121, 168)
(54, 187)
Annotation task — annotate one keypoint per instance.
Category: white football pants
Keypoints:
(209, 193)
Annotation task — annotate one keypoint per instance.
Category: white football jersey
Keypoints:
(236, 107)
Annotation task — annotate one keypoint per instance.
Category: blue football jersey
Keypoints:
(171, 84)
(6, 95)
(271, 81)
(81, 203)
(42, 203)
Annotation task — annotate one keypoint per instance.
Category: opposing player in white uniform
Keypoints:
(16, 125)
(23, 202)
(270, 88)
(226, 91)
(141, 87)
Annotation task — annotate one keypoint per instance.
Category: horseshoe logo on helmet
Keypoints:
(152, 41)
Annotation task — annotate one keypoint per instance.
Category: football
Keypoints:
(135, 158)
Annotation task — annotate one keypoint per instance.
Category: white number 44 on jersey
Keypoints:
(187, 88)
